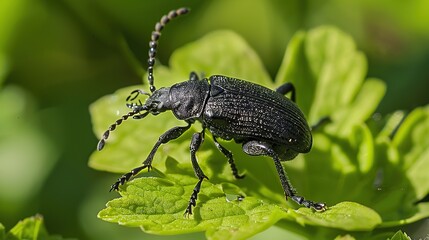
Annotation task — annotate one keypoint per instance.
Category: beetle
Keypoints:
(264, 121)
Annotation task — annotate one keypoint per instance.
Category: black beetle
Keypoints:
(264, 121)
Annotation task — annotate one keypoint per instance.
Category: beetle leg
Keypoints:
(193, 76)
(320, 123)
(228, 154)
(124, 178)
(197, 140)
(164, 138)
(256, 148)
(286, 88)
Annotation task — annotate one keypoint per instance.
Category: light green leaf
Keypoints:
(361, 108)
(345, 215)
(219, 52)
(157, 205)
(345, 237)
(412, 142)
(328, 73)
(31, 228)
(412, 147)
(399, 235)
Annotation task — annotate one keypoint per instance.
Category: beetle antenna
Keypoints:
(154, 41)
(118, 122)
(136, 94)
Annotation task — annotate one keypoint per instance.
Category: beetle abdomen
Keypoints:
(241, 110)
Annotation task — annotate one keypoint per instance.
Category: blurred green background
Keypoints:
(58, 56)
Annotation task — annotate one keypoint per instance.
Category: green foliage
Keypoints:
(157, 205)
(399, 235)
(31, 228)
(368, 179)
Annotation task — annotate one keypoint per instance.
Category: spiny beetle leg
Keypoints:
(164, 138)
(257, 148)
(126, 177)
(320, 207)
(197, 140)
(228, 155)
(169, 135)
(286, 88)
(320, 123)
(290, 192)
(193, 199)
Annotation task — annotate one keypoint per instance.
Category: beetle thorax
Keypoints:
(188, 98)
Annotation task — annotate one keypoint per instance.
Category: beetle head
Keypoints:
(158, 102)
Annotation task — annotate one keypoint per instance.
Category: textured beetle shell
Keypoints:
(245, 111)
(188, 98)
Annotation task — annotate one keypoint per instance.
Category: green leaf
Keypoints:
(157, 206)
(411, 144)
(31, 228)
(219, 52)
(345, 215)
(345, 237)
(327, 65)
(328, 73)
(399, 235)
(361, 108)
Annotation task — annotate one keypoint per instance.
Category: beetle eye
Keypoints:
(159, 106)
